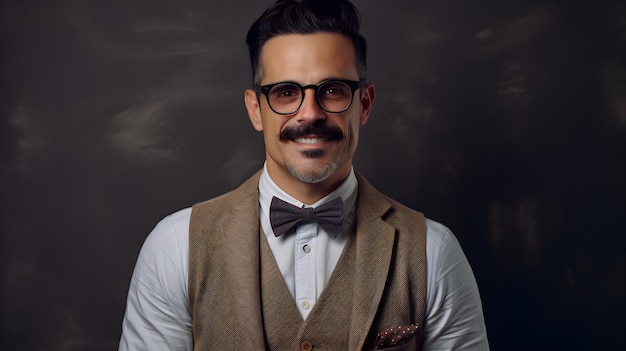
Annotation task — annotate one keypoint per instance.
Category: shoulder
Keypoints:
(439, 235)
(439, 238)
(220, 211)
(407, 220)
(176, 219)
(169, 235)
(373, 204)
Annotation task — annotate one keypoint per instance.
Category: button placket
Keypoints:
(305, 269)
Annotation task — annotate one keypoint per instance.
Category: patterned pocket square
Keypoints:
(395, 336)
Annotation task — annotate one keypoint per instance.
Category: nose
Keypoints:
(310, 110)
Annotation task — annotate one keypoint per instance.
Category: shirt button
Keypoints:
(306, 346)
(306, 248)
(304, 305)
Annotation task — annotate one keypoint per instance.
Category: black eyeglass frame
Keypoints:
(354, 85)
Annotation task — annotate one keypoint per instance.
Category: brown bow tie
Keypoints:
(284, 216)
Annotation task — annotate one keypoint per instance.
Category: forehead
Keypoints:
(308, 58)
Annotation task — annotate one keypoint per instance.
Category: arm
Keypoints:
(157, 310)
(454, 317)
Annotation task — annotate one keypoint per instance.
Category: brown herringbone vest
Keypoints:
(239, 299)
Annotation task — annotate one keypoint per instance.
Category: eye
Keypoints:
(285, 91)
(335, 90)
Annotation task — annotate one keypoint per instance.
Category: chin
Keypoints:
(312, 174)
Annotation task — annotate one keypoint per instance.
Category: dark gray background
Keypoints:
(505, 120)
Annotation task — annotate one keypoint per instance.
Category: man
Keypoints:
(305, 254)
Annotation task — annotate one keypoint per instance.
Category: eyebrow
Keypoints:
(323, 80)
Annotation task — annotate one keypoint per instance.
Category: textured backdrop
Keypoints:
(504, 120)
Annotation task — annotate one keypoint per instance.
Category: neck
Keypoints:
(307, 193)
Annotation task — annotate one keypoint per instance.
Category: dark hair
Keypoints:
(306, 17)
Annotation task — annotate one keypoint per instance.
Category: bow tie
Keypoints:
(284, 216)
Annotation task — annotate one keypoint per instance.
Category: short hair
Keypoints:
(307, 17)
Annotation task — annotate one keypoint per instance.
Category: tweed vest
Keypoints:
(239, 300)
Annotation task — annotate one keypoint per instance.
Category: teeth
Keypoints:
(309, 140)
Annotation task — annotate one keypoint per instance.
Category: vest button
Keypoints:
(306, 346)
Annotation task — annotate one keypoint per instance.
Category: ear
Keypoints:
(367, 101)
(254, 109)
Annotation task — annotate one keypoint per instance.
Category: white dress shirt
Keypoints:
(158, 316)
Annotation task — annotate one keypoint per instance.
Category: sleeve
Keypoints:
(454, 317)
(157, 310)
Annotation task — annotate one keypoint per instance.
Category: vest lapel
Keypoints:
(375, 240)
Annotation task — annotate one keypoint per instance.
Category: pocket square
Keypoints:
(395, 336)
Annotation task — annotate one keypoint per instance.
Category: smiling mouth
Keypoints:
(311, 134)
(309, 140)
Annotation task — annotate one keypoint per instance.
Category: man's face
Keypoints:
(310, 145)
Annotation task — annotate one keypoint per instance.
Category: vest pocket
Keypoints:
(409, 345)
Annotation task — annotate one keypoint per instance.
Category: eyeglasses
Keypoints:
(285, 98)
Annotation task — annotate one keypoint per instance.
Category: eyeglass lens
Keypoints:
(332, 96)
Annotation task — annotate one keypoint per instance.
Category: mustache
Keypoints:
(321, 130)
